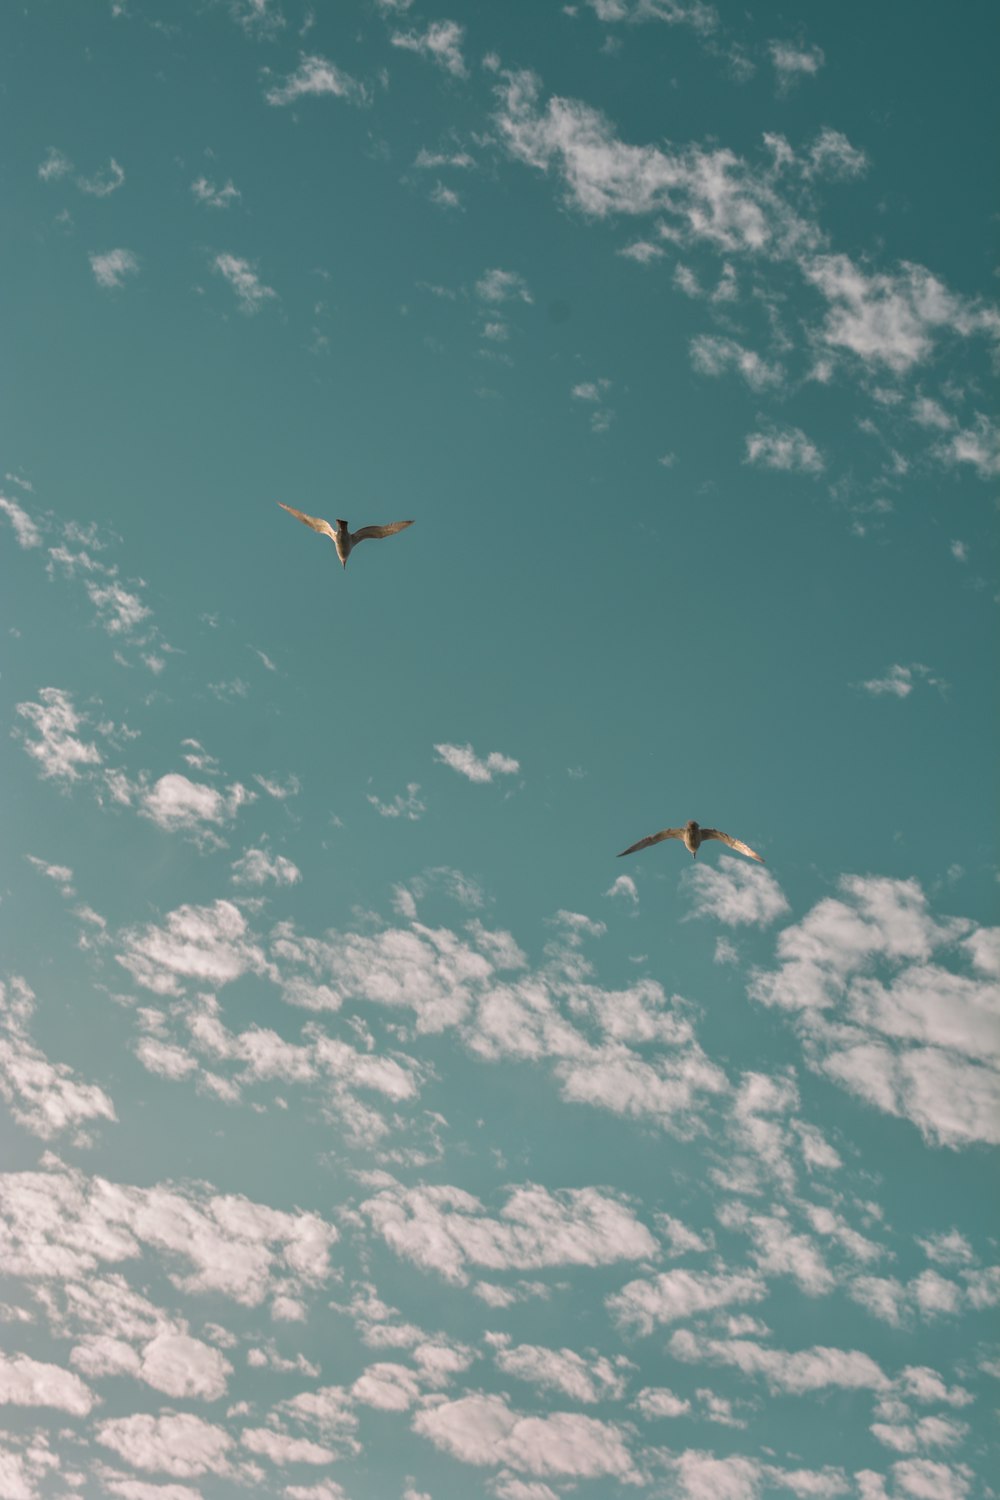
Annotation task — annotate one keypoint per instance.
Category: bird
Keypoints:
(343, 538)
(693, 836)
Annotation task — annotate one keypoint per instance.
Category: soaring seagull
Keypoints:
(693, 837)
(344, 539)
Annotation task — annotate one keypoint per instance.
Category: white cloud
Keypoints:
(207, 944)
(978, 445)
(410, 807)
(30, 1382)
(61, 874)
(625, 887)
(102, 184)
(184, 1367)
(214, 197)
(119, 611)
(315, 75)
(282, 1449)
(483, 1430)
(463, 758)
(562, 1370)
(258, 866)
(176, 804)
(242, 277)
(112, 268)
(44, 1097)
(178, 1443)
(694, 13)
(677, 1294)
(441, 42)
(25, 530)
(445, 1229)
(736, 893)
(712, 355)
(832, 155)
(792, 61)
(54, 165)
(791, 1372)
(788, 449)
(502, 286)
(58, 749)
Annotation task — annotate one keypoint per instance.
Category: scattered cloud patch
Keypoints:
(736, 893)
(316, 76)
(25, 531)
(113, 267)
(788, 450)
(410, 807)
(464, 760)
(714, 356)
(250, 291)
(441, 42)
(215, 197)
(257, 866)
(793, 61)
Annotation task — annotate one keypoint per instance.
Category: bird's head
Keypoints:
(691, 825)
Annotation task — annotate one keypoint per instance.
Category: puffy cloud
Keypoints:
(484, 1430)
(978, 446)
(793, 61)
(445, 1229)
(29, 1382)
(502, 286)
(563, 1370)
(177, 1443)
(44, 1097)
(315, 76)
(113, 267)
(712, 355)
(791, 1372)
(737, 893)
(208, 944)
(672, 1295)
(462, 758)
(257, 866)
(282, 1449)
(923, 1042)
(118, 610)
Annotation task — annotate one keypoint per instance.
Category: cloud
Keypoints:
(677, 1294)
(410, 807)
(250, 290)
(793, 1373)
(282, 1449)
(44, 1097)
(214, 197)
(899, 681)
(58, 749)
(118, 610)
(625, 887)
(562, 1370)
(113, 267)
(54, 165)
(891, 320)
(463, 758)
(832, 155)
(104, 183)
(502, 286)
(29, 1382)
(978, 445)
(178, 1443)
(713, 356)
(177, 804)
(789, 450)
(695, 13)
(207, 944)
(316, 76)
(793, 61)
(61, 874)
(257, 867)
(441, 42)
(25, 530)
(736, 893)
(484, 1430)
(916, 1039)
(445, 1229)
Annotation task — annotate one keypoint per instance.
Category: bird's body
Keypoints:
(692, 836)
(341, 535)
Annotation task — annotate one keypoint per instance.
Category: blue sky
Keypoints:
(370, 1132)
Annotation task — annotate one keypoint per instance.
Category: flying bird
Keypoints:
(693, 836)
(342, 537)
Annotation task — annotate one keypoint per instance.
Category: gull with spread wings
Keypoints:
(342, 537)
(693, 836)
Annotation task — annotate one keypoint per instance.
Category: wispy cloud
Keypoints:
(899, 681)
(502, 286)
(410, 807)
(112, 267)
(177, 804)
(463, 758)
(441, 42)
(712, 355)
(242, 277)
(102, 184)
(793, 60)
(258, 866)
(25, 530)
(316, 76)
(215, 197)
(58, 749)
(978, 445)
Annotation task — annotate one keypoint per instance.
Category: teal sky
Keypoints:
(369, 1131)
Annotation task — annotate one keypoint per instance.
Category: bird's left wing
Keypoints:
(737, 844)
(367, 532)
(316, 522)
(654, 838)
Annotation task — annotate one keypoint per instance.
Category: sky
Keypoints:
(369, 1130)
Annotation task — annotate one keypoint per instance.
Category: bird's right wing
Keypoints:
(315, 522)
(737, 844)
(368, 532)
(654, 838)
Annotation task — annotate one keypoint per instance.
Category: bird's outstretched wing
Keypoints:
(654, 838)
(377, 531)
(315, 522)
(737, 844)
